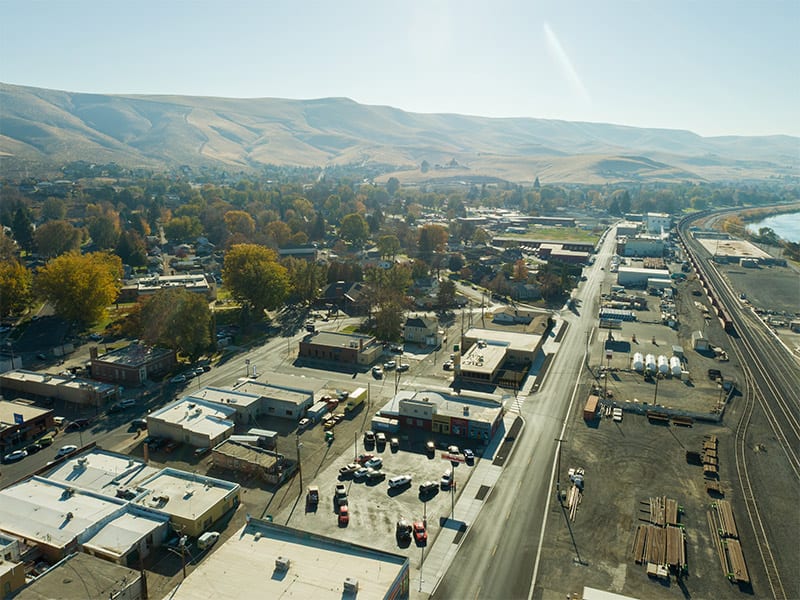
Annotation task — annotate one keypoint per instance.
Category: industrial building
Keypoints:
(344, 348)
(267, 465)
(60, 519)
(280, 562)
(277, 399)
(192, 502)
(68, 388)
(131, 365)
(147, 286)
(641, 245)
(628, 228)
(468, 416)
(80, 576)
(657, 222)
(637, 277)
(21, 421)
(733, 250)
(192, 421)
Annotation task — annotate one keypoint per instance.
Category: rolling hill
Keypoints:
(50, 126)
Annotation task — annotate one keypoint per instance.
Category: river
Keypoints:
(786, 226)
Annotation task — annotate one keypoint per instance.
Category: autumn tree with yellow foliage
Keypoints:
(80, 286)
(15, 287)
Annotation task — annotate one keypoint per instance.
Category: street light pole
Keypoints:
(558, 468)
(299, 464)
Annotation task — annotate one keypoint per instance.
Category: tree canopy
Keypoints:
(15, 288)
(179, 319)
(55, 238)
(354, 229)
(80, 286)
(255, 278)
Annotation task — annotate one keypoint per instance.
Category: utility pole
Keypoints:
(355, 447)
(655, 393)
(299, 464)
(558, 468)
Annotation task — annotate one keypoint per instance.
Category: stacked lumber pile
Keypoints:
(710, 462)
(661, 541)
(573, 500)
(723, 523)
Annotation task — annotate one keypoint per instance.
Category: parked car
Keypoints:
(14, 456)
(428, 487)
(33, 448)
(469, 455)
(380, 438)
(65, 450)
(360, 473)
(208, 539)
(377, 372)
(95, 337)
(430, 449)
(344, 516)
(420, 535)
(403, 531)
(369, 437)
(374, 463)
(447, 480)
(394, 444)
(453, 450)
(180, 378)
(389, 365)
(402, 367)
(139, 424)
(396, 348)
(362, 458)
(303, 424)
(76, 425)
(127, 403)
(115, 408)
(348, 470)
(448, 366)
(373, 475)
(46, 440)
(400, 481)
(340, 491)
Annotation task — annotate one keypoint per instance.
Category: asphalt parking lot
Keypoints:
(375, 507)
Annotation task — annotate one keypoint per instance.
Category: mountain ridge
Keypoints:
(41, 125)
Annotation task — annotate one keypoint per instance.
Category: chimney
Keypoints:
(146, 453)
(93, 352)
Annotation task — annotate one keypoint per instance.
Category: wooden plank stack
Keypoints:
(661, 541)
(573, 500)
(728, 545)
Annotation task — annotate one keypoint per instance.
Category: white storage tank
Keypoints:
(675, 366)
(638, 362)
(663, 364)
(650, 363)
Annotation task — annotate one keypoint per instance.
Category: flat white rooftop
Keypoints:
(38, 509)
(520, 342)
(274, 392)
(101, 472)
(118, 536)
(28, 411)
(195, 415)
(184, 494)
(483, 360)
(318, 567)
(232, 398)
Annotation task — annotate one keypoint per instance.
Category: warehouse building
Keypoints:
(21, 421)
(192, 502)
(467, 416)
(131, 365)
(192, 421)
(280, 562)
(641, 245)
(344, 348)
(277, 399)
(657, 222)
(637, 277)
(60, 519)
(68, 388)
(80, 576)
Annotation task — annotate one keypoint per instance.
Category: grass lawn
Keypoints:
(556, 234)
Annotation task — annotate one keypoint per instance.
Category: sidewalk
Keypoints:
(442, 552)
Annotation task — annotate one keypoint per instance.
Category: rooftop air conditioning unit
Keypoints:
(351, 585)
(282, 563)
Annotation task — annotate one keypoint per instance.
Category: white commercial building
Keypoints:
(657, 222)
(196, 422)
(102, 472)
(643, 245)
(634, 276)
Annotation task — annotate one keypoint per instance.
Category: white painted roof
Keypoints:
(119, 535)
(101, 472)
(195, 415)
(189, 495)
(318, 567)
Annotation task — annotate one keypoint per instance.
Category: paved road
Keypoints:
(498, 557)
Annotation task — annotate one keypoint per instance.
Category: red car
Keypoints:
(344, 515)
(420, 535)
(362, 458)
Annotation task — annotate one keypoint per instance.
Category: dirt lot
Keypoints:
(627, 463)
(767, 288)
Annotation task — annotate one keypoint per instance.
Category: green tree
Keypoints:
(179, 319)
(388, 246)
(446, 296)
(15, 287)
(103, 227)
(354, 229)
(55, 238)
(80, 287)
(392, 185)
(132, 249)
(432, 240)
(255, 278)
(389, 316)
(307, 278)
(54, 209)
(183, 228)
(22, 229)
(239, 222)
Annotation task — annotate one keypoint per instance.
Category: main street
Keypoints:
(499, 556)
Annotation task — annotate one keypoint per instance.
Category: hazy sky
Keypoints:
(715, 67)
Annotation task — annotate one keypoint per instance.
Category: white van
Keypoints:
(208, 539)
